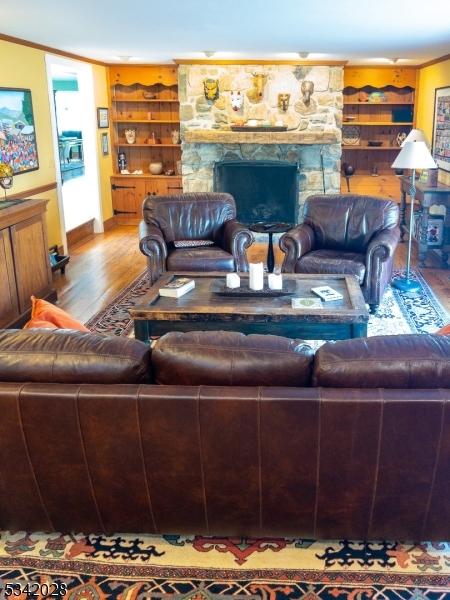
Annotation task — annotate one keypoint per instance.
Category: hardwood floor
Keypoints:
(101, 267)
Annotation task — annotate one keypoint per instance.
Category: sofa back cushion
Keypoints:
(190, 216)
(348, 222)
(386, 361)
(231, 358)
(67, 356)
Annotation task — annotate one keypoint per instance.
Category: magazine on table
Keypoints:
(306, 303)
(177, 287)
(327, 293)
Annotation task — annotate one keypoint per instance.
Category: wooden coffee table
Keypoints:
(200, 309)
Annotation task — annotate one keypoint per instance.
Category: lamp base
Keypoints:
(405, 285)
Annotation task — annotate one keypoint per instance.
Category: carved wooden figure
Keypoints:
(211, 89)
(259, 81)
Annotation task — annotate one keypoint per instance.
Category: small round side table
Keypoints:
(270, 229)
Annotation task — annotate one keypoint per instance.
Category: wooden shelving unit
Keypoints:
(154, 119)
(379, 103)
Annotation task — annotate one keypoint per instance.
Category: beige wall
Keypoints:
(25, 67)
(430, 78)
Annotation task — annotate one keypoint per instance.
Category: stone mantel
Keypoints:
(216, 136)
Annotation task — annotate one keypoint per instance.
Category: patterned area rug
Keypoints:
(207, 568)
(399, 312)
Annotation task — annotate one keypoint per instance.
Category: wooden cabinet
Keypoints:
(145, 101)
(378, 112)
(24, 260)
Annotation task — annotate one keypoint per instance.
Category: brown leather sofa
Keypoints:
(221, 433)
(192, 217)
(346, 234)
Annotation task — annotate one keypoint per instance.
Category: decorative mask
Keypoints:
(283, 101)
(130, 136)
(307, 91)
(258, 82)
(211, 89)
(237, 99)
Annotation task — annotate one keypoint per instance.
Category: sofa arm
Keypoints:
(236, 238)
(383, 245)
(294, 244)
(153, 245)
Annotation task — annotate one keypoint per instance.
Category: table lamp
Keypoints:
(413, 155)
(416, 135)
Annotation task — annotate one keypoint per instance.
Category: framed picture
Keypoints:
(441, 128)
(105, 144)
(102, 118)
(17, 133)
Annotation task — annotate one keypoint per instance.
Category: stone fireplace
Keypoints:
(311, 111)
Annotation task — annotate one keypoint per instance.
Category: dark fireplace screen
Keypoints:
(264, 191)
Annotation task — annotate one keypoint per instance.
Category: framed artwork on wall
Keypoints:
(18, 146)
(105, 144)
(102, 118)
(441, 128)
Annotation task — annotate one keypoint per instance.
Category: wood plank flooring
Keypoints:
(101, 267)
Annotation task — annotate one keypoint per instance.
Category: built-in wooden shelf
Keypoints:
(146, 176)
(145, 100)
(126, 145)
(377, 123)
(378, 103)
(359, 147)
(145, 121)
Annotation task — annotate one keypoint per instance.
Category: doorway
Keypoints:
(71, 92)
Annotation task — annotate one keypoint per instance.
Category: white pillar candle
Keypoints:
(256, 278)
(275, 281)
(233, 280)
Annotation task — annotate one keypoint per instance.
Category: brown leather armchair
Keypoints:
(192, 217)
(348, 234)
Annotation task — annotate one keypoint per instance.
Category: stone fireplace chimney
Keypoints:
(305, 100)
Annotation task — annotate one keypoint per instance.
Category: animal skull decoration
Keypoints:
(211, 89)
(237, 100)
(307, 91)
(283, 101)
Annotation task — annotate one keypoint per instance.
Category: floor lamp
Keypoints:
(413, 155)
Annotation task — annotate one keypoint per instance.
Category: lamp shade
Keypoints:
(416, 135)
(414, 155)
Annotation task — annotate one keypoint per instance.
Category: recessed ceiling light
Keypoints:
(303, 54)
(209, 53)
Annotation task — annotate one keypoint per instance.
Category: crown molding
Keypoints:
(301, 63)
(21, 42)
(435, 61)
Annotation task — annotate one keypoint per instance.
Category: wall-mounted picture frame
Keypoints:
(441, 128)
(102, 117)
(18, 146)
(105, 144)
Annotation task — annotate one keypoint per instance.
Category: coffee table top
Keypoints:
(202, 304)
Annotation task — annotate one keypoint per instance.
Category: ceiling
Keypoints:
(361, 31)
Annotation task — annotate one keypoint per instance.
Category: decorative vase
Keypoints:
(155, 168)
(175, 135)
(130, 136)
(179, 167)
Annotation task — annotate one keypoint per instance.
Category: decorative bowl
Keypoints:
(374, 143)
(155, 168)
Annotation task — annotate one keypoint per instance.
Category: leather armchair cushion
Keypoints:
(209, 258)
(333, 261)
(67, 356)
(231, 358)
(348, 222)
(388, 361)
(190, 216)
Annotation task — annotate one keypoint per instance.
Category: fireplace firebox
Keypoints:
(266, 192)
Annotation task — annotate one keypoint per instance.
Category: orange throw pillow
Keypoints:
(444, 330)
(47, 315)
